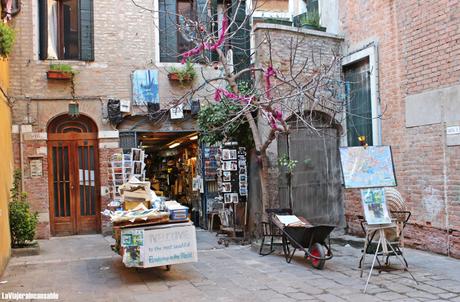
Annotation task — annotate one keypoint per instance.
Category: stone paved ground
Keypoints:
(82, 268)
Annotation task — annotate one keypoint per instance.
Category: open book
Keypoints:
(291, 220)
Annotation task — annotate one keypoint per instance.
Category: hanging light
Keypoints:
(193, 138)
(74, 110)
(174, 145)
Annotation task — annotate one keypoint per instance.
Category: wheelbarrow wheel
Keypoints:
(317, 250)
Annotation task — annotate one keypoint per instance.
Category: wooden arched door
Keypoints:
(73, 176)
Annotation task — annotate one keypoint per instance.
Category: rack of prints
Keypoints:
(121, 170)
(234, 175)
(137, 163)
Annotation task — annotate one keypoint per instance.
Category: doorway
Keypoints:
(313, 190)
(73, 176)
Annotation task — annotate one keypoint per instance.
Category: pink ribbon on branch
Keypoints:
(230, 95)
(274, 116)
(199, 49)
(270, 72)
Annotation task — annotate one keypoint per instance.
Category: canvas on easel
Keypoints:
(375, 207)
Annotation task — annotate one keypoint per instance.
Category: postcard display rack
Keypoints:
(233, 183)
(371, 169)
(122, 167)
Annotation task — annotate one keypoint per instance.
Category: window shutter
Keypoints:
(359, 119)
(312, 5)
(214, 29)
(168, 31)
(201, 11)
(86, 30)
(203, 18)
(241, 39)
(43, 29)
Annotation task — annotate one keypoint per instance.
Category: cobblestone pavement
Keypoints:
(82, 268)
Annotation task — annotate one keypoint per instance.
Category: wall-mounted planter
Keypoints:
(173, 76)
(59, 75)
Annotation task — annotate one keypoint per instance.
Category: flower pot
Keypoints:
(59, 75)
(173, 76)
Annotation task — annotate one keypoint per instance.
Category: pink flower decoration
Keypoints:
(199, 49)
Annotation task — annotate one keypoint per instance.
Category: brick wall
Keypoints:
(124, 42)
(417, 52)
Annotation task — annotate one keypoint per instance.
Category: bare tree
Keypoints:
(280, 96)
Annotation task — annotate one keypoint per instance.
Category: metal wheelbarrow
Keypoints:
(314, 241)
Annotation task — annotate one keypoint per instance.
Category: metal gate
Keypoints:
(314, 189)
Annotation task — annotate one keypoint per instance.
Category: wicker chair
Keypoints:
(400, 216)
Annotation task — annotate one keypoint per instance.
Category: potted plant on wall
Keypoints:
(60, 72)
(184, 74)
(7, 36)
(310, 20)
(23, 222)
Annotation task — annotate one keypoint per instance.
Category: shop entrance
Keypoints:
(73, 176)
(171, 163)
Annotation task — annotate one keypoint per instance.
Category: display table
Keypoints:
(151, 245)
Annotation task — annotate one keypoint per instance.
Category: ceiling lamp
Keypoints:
(195, 137)
(174, 145)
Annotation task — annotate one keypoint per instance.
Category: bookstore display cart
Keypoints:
(155, 242)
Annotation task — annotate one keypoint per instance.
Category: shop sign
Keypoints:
(453, 130)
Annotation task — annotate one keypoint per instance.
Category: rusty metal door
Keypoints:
(314, 188)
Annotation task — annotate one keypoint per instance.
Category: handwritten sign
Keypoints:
(172, 244)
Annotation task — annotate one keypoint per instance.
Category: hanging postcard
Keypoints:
(145, 86)
(375, 207)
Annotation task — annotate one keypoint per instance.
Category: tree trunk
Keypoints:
(264, 184)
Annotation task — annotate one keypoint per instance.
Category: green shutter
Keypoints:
(86, 30)
(359, 110)
(312, 5)
(202, 16)
(168, 31)
(214, 28)
(43, 28)
(241, 39)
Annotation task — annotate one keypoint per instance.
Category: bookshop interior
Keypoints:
(165, 159)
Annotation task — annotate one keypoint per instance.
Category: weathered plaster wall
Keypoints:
(6, 167)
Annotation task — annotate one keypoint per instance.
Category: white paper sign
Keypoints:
(177, 112)
(171, 244)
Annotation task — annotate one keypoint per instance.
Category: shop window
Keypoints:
(66, 29)
(359, 106)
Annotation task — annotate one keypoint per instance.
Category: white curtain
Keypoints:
(52, 30)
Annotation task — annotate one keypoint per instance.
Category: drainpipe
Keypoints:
(445, 177)
(21, 155)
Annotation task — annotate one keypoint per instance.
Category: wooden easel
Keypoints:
(380, 228)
